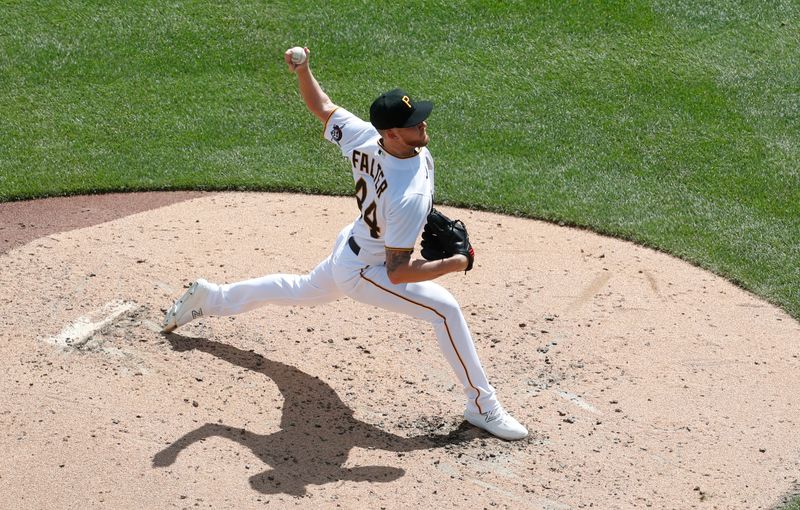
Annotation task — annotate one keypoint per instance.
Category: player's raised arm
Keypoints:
(315, 98)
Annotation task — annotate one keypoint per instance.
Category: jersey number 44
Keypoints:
(370, 213)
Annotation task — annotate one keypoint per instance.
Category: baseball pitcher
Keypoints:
(372, 261)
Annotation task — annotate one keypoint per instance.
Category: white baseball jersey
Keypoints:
(394, 194)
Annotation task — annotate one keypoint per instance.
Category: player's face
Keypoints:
(414, 136)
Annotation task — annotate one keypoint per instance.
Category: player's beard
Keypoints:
(418, 139)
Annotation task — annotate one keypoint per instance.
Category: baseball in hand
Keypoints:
(298, 55)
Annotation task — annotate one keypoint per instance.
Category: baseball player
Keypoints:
(371, 260)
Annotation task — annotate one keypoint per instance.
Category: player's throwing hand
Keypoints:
(296, 57)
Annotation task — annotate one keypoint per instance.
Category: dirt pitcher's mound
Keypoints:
(645, 382)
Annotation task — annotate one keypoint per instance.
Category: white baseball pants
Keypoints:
(343, 274)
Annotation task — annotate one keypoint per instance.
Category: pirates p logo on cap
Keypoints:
(395, 109)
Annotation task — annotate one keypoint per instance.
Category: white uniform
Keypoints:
(395, 196)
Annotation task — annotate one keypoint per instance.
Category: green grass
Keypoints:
(671, 123)
(793, 504)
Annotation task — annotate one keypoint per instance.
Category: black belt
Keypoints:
(354, 245)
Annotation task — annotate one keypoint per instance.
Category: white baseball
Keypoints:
(298, 55)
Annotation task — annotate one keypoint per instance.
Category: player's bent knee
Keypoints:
(448, 308)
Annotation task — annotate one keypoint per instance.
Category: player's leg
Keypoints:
(314, 288)
(433, 303)
(205, 298)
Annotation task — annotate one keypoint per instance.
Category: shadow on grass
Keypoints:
(317, 430)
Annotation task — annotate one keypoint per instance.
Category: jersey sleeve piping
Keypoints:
(399, 249)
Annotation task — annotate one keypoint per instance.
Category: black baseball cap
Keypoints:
(396, 109)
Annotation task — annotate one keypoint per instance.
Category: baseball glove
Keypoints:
(443, 238)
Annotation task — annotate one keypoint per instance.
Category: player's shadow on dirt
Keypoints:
(317, 430)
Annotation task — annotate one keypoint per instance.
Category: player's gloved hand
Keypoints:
(443, 238)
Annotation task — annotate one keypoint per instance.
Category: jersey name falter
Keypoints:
(368, 166)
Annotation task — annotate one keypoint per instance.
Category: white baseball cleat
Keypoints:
(188, 307)
(499, 423)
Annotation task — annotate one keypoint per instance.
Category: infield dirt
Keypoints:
(645, 382)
